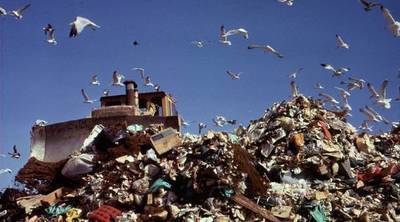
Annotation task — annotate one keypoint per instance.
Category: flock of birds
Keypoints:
(379, 97)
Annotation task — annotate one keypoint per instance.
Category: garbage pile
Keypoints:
(298, 162)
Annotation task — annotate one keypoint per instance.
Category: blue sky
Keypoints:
(40, 81)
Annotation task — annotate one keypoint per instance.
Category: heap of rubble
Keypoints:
(299, 162)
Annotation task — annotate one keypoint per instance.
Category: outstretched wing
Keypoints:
(85, 96)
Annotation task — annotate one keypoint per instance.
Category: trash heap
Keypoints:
(299, 162)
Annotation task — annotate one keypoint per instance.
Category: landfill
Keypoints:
(298, 162)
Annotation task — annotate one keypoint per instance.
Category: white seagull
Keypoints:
(329, 98)
(140, 71)
(294, 75)
(79, 24)
(106, 92)
(117, 79)
(234, 76)
(18, 12)
(147, 82)
(335, 72)
(266, 48)
(343, 92)
(86, 98)
(293, 89)
(3, 12)
(198, 44)
(319, 86)
(340, 42)
(346, 104)
(222, 38)
(15, 154)
(6, 170)
(287, 2)
(391, 22)
(201, 126)
(239, 31)
(380, 98)
(157, 87)
(95, 81)
(370, 115)
(365, 127)
(379, 117)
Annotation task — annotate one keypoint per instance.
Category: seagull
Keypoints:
(319, 86)
(294, 75)
(380, 98)
(106, 92)
(157, 87)
(266, 48)
(287, 2)
(336, 72)
(218, 123)
(359, 82)
(15, 154)
(79, 24)
(223, 39)
(340, 42)
(233, 75)
(40, 122)
(377, 115)
(293, 88)
(3, 12)
(95, 81)
(185, 123)
(329, 98)
(6, 170)
(368, 5)
(398, 98)
(140, 71)
(343, 92)
(117, 79)
(346, 105)
(49, 31)
(86, 98)
(365, 127)
(198, 44)
(239, 31)
(147, 82)
(392, 23)
(18, 12)
(201, 126)
(370, 115)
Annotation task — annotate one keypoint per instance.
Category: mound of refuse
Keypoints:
(298, 162)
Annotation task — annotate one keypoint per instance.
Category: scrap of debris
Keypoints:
(298, 162)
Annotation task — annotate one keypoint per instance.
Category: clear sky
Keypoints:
(40, 81)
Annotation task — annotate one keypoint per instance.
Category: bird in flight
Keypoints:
(368, 5)
(293, 88)
(239, 31)
(199, 44)
(3, 12)
(329, 98)
(201, 126)
(147, 82)
(266, 48)
(222, 37)
(234, 76)
(294, 75)
(343, 92)
(287, 2)
(5, 170)
(319, 86)
(117, 79)
(15, 154)
(365, 127)
(49, 31)
(18, 12)
(95, 81)
(393, 25)
(79, 24)
(140, 71)
(335, 72)
(106, 92)
(86, 98)
(380, 98)
(340, 42)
